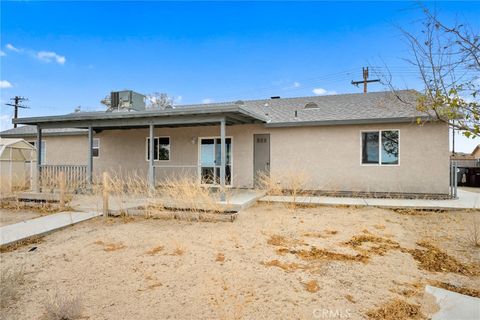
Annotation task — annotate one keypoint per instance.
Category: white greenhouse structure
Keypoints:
(17, 164)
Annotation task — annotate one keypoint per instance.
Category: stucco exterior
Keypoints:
(330, 155)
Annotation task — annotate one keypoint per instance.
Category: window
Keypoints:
(161, 148)
(96, 147)
(43, 150)
(380, 147)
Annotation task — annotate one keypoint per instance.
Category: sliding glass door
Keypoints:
(210, 160)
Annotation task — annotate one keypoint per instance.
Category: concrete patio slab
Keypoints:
(466, 200)
(35, 227)
(454, 305)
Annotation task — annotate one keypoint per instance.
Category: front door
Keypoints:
(210, 161)
(261, 155)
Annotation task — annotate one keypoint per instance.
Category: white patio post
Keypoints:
(38, 184)
(90, 158)
(151, 172)
(223, 159)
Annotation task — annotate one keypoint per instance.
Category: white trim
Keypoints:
(379, 164)
(98, 147)
(169, 148)
(199, 171)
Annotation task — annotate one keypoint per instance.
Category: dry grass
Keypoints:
(155, 285)
(397, 309)
(178, 251)
(377, 244)
(279, 240)
(431, 258)
(311, 286)
(22, 243)
(350, 298)
(109, 247)
(321, 254)
(63, 308)
(462, 290)
(11, 280)
(473, 232)
(154, 250)
(43, 208)
(288, 267)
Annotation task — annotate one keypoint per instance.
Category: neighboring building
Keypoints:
(468, 167)
(348, 142)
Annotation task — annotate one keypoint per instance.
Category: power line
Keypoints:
(365, 80)
(17, 100)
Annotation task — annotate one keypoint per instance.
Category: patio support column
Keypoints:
(38, 183)
(223, 159)
(151, 172)
(90, 158)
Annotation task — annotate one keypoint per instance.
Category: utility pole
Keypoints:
(365, 80)
(17, 100)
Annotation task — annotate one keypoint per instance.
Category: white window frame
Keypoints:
(169, 148)
(199, 171)
(379, 164)
(98, 147)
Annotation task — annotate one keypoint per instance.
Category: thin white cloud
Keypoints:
(4, 84)
(10, 47)
(207, 100)
(323, 92)
(50, 56)
(296, 84)
(2, 53)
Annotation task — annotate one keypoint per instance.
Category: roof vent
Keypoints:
(275, 97)
(239, 102)
(311, 105)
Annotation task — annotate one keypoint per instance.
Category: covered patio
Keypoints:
(220, 116)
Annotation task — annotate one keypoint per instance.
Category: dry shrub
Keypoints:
(154, 250)
(63, 308)
(269, 184)
(433, 259)
(462, 290)
(320, 254)
(22, 243)
(220, 257)
(473, 229)
(296, 181)
(311, 286)
(282, 265)
(186, 193)
(397, 309)
(382, 245)
(178, 251)
(11, 280)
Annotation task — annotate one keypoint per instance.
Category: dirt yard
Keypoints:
(15, 216)
(271, 263)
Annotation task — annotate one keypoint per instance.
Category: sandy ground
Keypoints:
(11, 217)
(217, 270)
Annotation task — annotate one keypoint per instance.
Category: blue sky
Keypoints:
(67, 54)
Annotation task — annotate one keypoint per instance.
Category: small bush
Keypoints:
(63, 308)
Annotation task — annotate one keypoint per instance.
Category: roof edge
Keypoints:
(346, 122)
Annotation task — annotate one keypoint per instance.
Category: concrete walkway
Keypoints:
(38, 226)
(454, 305)
(466, 200)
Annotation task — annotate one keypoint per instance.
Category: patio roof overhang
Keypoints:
(178, 117)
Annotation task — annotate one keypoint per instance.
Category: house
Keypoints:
(348, 142)
(468, 164)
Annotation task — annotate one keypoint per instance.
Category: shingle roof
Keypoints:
(26, 131)
(332, 109)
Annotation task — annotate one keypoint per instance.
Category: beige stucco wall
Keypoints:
(64, 149)
(330, 155)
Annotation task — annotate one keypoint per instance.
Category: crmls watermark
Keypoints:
(331, 314)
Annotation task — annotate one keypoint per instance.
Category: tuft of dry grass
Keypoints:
(109, 247)
(155, 285)
(63, 308)
(178, 251)
(473, 229)
(350, 298)
(397, 309)
(42, 208)
(220, 257)
(288, 267)
(279, 240)
(154, 250)
(462, 290)
(321, 254)
(311, 286)
(10, 282)
(431, 258)
(380, 245)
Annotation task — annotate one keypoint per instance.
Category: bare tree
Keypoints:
(447, 59)
(158, 100)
